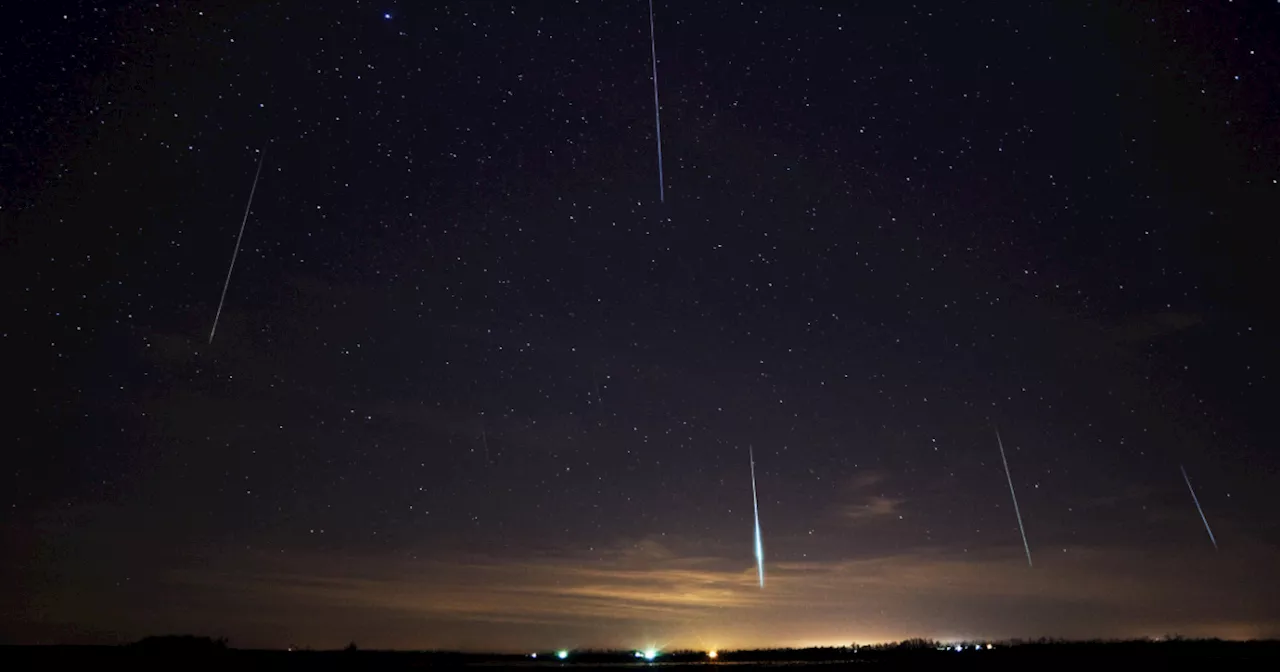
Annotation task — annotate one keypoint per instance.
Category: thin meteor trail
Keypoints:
(596, 384)
(1014, 495)
(261, 157)
(756, 505)
(657, 116)
(1197, 501)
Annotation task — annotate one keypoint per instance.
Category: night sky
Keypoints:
(475, 387)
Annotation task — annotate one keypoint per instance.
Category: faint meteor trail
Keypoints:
(1014, 495)
(261, 157)
(596, 384)
(1197, 501)
(657, 116)
(756, 506)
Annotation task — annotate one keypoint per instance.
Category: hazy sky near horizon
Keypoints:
(669, 594)
(475, 386)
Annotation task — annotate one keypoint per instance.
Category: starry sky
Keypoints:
(475, 387)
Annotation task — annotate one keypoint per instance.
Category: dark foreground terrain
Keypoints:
(208, 655)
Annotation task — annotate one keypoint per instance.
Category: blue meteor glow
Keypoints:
(755, 503)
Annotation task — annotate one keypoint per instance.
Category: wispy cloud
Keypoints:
(867, 478)
(869, 505)
(875, 507)
(1130, 494)
(1138, 328)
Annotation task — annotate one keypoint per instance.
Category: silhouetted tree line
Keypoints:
(181, 644)
(190, 652)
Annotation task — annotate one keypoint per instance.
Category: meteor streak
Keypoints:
(596, 384)
(261, 157)
(756, 505)
(657, 116)
(1014, 495)
(1197, 501)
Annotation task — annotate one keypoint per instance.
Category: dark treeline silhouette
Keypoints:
(203, 653)
(180, 644)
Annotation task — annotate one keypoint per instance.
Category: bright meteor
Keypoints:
(1014, 495)
(1197, 502)
(248, 206)
(657, 115)
(756, 505)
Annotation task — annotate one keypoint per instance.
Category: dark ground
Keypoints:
(1117, 655)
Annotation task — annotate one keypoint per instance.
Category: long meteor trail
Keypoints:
(756, 505)
(1197, 501)
(657, 116)
(261, 157)
(1014, 495)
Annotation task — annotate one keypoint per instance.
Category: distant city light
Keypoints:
(712, 654)
(533, 655)
(650, 654)
(562, 654)
(989, 647)
(959, 647)
(639, 655)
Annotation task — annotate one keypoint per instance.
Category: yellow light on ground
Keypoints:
(712, 655)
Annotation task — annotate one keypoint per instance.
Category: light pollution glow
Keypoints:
(702, 599)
